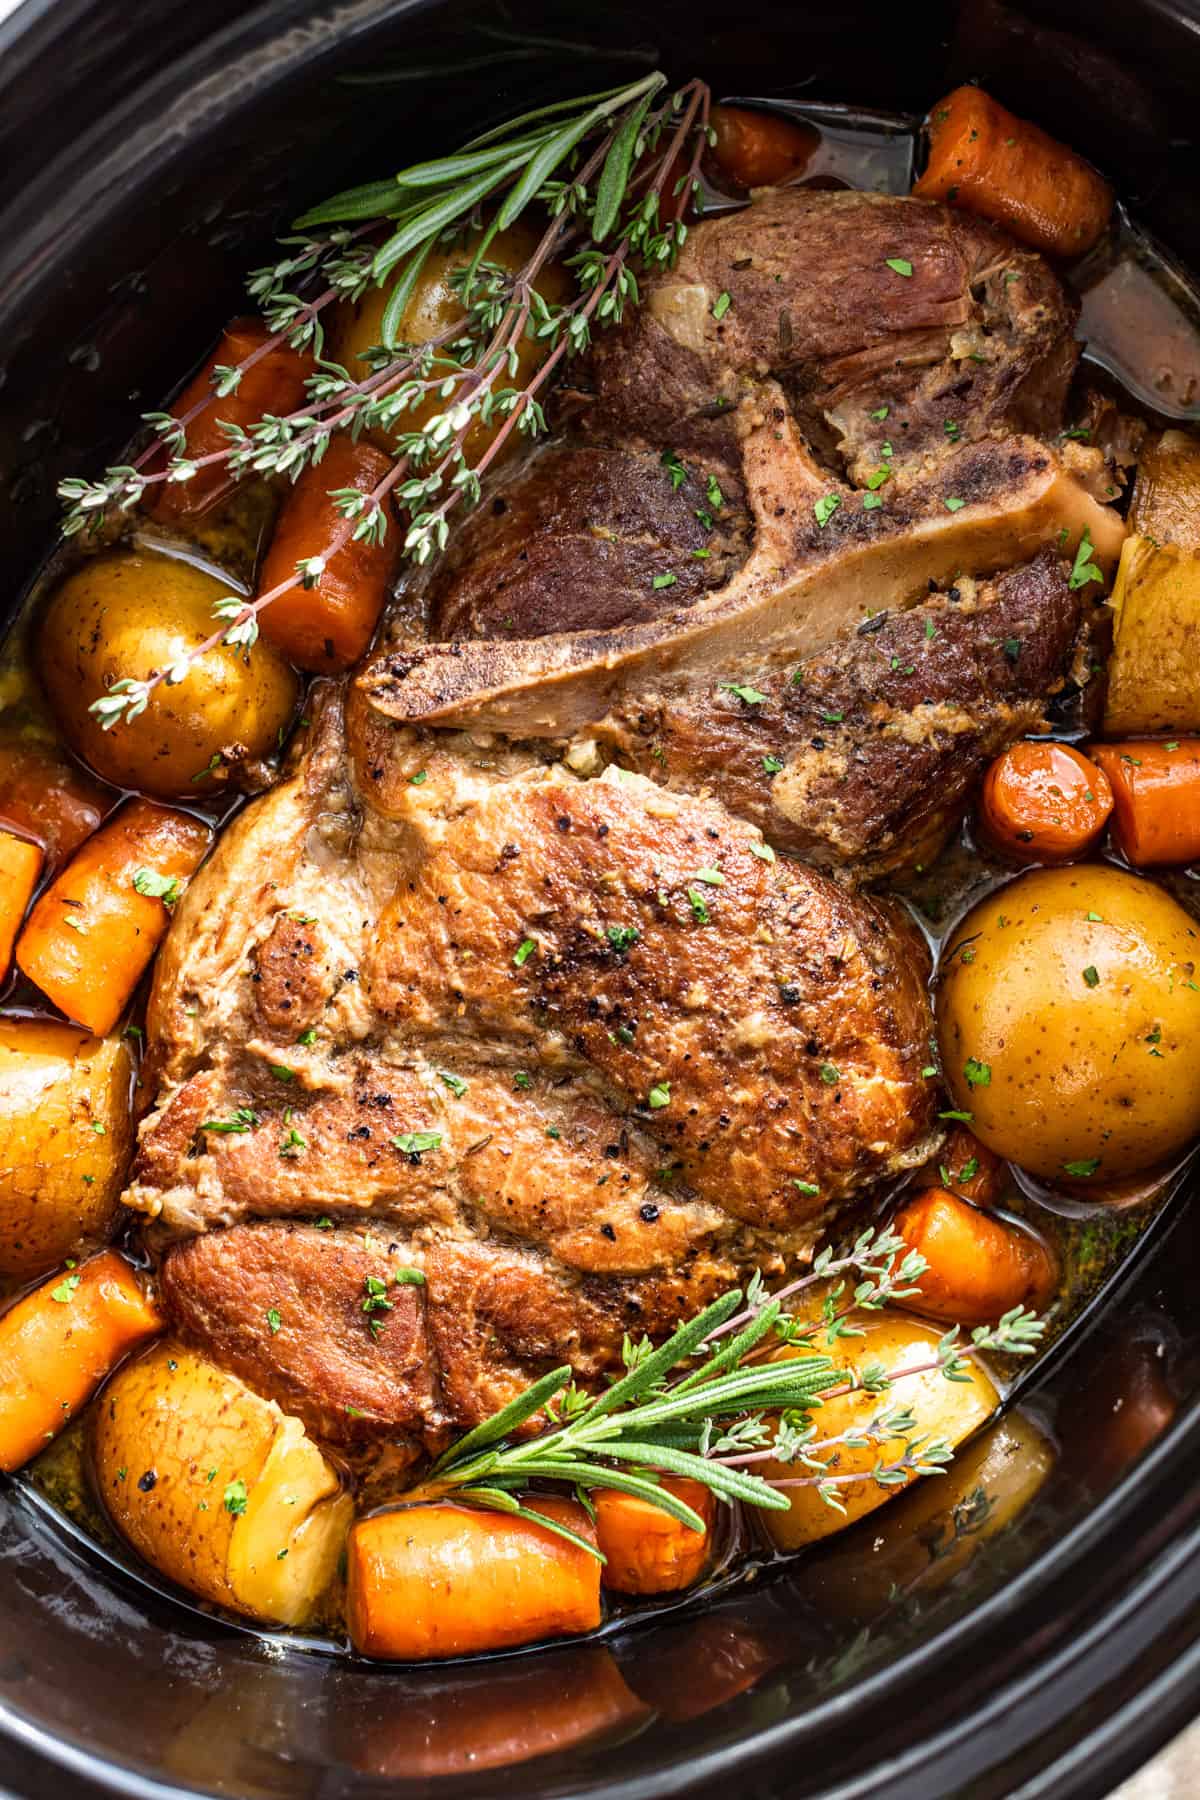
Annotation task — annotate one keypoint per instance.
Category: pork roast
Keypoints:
(507, 988)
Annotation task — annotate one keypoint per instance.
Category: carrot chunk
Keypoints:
(979, 1267)
(1156, 794)
(59, 1343)
(274, 384)
(760, 149)
(446, 1580)
(1044, 803)
(45, 797)
(985, 159)
(646, 1550)
(20, 866)
(92, 934)
(328, 626)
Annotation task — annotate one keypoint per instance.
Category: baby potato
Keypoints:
(65, 1138)
(434, 306)
(130, 613)
(937, 1528)
(1069, 1021)
(949, 1410)
(217, 1488)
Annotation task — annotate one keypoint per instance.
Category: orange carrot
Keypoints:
(1156, 793)
(983, 158)
(59, 1343)
(275, 384)
(328, 626)
(1044, 803)
(979, 1267)
(45, 797)
(760, 149)
(92, 934)
(969, 1169)
(646, 1550)
(444, 1580)
(20, 865)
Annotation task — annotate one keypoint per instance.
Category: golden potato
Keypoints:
(936, 1528)
(1166, 494)
(435, 305)
(1069, 1021)
(130, 613)
(65, 1138)
(949, 1410)
(1154, 670)
(217, 1488)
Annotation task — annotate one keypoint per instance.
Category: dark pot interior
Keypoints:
(152, 151)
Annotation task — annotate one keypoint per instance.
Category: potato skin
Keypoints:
(944, 1409)
(434, 306)
(171, 1436)
(1154, 670)
(1069, 1031)
(128, 613)
(65, 1138)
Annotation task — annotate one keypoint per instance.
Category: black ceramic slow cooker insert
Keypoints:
(150, 152)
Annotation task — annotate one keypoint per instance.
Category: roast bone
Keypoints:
(970, 355)
(803, 585)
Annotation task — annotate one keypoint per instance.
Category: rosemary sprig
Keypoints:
(703, 1405)
(603, 173)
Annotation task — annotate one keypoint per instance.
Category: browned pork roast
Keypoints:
(507, 986)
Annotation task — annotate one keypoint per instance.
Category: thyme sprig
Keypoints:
(706, 1404)
(610, 174)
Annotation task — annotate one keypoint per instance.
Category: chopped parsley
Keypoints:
(825, 507)
(274, 1321)
(954, 503)
(749, 696)
(978, 1074)
(721, 305)
(622, 937)
(1092, 975)
(805, 1187)
(829, 1075)
(414, 1143)
(699, 906)
(308, 1037)
(64, 1293)
(525, 950)
(1084, 569)
(419, 779)
(664, 581)
(674, 468)
(244, 1119)
(281, 1072)
(455, 1083)
(714, 495)
(1083, 1168)
(166, 888)
(763, 852)
(771, 764)
(236, 1498)
(710, 877)
(659, 1096)
(901, 265)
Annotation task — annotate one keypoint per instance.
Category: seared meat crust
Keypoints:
(862, 757)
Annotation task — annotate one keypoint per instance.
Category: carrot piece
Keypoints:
(760, 149)
(1044, 803)
(20, 866)
(979, 1267)
(646, 1550)
(92, 934)
(59, 1343)
(445, 1580)
(1156, 794)
(974, 1172)
(275, 384)
(45, 797)
(328, 626)
(985, 159)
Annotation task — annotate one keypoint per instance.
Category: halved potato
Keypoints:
(65, 1138)
(1154, 670)
(217, 1488)
(1166, 494)
(949, 1410)
(938, 1527)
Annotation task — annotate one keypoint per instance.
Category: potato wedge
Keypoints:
(938, 1527)
(217, 1488)
(1166, 494)
(949, 1410)
(65, 1138)
(1154, 670)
